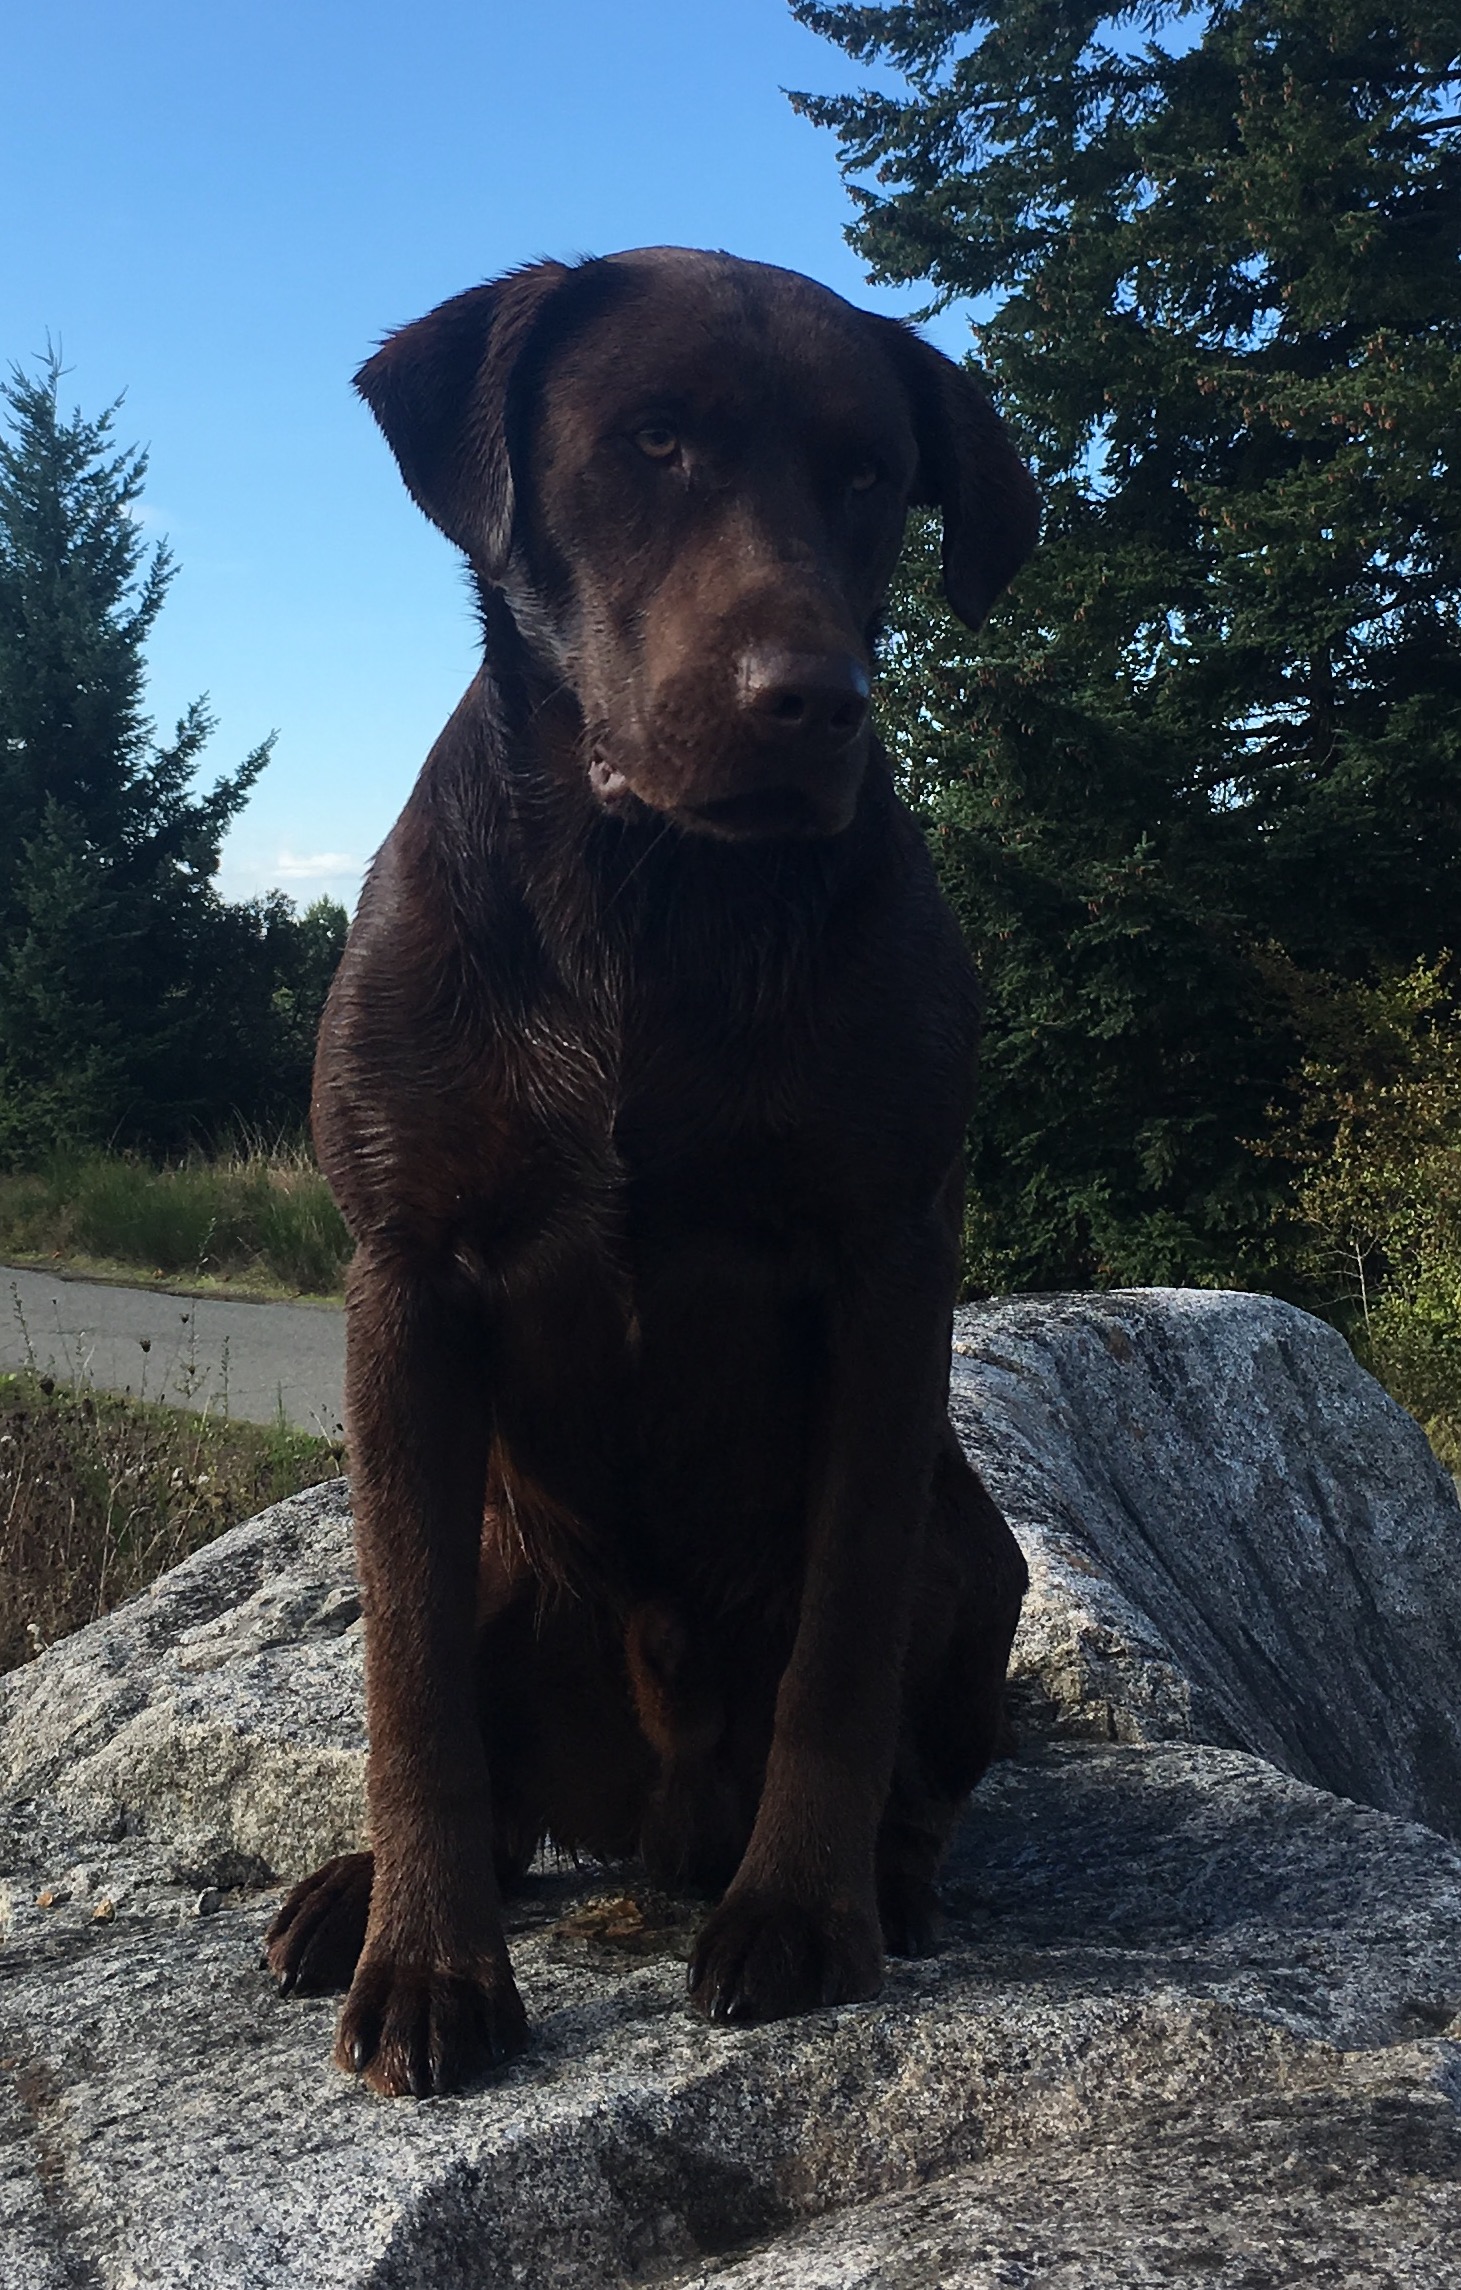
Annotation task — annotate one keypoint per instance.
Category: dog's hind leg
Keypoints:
(567, 1761)
(690, 1696)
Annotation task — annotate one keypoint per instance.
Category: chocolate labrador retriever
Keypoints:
(642, 1088)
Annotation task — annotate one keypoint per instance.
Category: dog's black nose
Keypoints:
(805, 700)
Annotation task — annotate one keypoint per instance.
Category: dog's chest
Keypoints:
(689, 1058)
(709, 1150)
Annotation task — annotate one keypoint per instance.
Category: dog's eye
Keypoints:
(865, 477)
(657, 440)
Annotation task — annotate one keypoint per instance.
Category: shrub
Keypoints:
(1377, 1142)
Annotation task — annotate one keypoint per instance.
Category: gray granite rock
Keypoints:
(1357, 2182)
(1197, 2021)
(1234, 1536)
(1170, 1970)
(220, 1711)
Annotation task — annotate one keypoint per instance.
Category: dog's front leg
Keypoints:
(799, 1924)
(433, 1999)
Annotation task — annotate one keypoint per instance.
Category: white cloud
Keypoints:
(318, 867)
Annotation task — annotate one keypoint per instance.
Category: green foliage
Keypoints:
(1132, 1041)
(134, 1002)
(62, 1063)
(1221, 712)
(261, 1217)
(1376, 1141)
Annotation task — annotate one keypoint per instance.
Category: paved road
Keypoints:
(235, 1358)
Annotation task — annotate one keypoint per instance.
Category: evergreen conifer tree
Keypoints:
(135, 1004)
(1216, 733)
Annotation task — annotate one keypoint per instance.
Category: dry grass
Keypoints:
(99, 1494)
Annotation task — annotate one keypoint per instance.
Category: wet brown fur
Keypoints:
(642, 1088)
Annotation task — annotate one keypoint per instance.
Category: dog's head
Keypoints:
(689, 476)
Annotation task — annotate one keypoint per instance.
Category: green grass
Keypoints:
(98, 1494)
(249, 1219)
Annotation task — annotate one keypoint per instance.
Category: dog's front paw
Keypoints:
(419, 2029)
(314, 1942)
(764, 1955)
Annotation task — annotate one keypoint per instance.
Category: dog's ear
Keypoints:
(439, 390)
(969, 469)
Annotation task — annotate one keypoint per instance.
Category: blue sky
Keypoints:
(220, 208)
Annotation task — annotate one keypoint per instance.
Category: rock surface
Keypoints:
(1234, 1537)
(1169, 1968)
(1352, 2183)
(220, 1711)
(1197, 2021)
